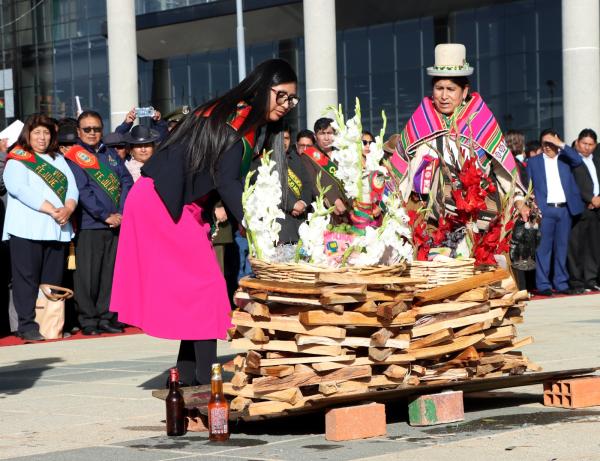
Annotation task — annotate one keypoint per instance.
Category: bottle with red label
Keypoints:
(175, 406)
(218, 407)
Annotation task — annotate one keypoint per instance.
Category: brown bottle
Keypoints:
(218, 407)
(175, 406)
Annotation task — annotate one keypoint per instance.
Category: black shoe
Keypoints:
(572, 291)
(90, 331)
(108, 328)
(118, 324)
(592, 287)
(545, 292)
(31, 335)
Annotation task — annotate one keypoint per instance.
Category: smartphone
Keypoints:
(144, 111)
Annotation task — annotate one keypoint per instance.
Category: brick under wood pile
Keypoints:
(348, 334)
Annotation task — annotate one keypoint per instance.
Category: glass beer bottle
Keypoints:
(218, 407)
(175, 406)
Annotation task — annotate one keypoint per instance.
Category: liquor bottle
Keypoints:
(175, 406)
(218, 407)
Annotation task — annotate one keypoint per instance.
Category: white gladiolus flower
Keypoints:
(261, 210)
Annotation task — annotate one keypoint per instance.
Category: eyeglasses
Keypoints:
(367, 143)
(304, 146)
(89, 129)
(281, 97)
(547, 144)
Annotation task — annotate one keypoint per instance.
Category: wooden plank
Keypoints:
(433, 339)
(269, 384)
(269, 408)
(357, 289)
(320, 317)
(343, 279)
(280, 287)
(475, 328)
(455, 288)
(390, 310)
(278, 370)
(454, 323)
(289, 324)
(516, 345)
(286, 346)
(303, 340)
(335, 298)
(296, 360)
(479, 294)
(374, 295)
(438, 308)
(456, 345)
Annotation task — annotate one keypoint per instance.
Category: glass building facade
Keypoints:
(58, 51)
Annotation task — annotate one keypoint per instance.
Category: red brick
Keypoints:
(355, 422)
(442, 408)
(573, 393)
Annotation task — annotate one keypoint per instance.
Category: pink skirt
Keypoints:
(167, 280)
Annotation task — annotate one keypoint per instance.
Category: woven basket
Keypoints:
(307, 273)
(441, 272)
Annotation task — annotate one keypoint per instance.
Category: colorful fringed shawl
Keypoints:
(473, 121)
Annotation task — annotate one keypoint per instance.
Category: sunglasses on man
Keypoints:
(89, 129)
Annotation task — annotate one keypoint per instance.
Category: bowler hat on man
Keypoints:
(141, 135)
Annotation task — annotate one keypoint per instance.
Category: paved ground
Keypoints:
(90, 400)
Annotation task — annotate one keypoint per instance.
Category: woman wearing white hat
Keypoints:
(453, 122)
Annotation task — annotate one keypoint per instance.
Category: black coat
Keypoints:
(584, 179)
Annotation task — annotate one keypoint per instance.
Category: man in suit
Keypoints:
(559, 200)
(584, 243)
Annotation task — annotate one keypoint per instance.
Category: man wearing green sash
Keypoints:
(103, 182)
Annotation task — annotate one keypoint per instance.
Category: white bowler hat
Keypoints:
(450, 61)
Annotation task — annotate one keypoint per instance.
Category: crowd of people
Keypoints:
(154, 255)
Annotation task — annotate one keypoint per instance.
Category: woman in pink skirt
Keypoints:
(167, 280)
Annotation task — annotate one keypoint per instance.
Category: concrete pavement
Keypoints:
(90, 400)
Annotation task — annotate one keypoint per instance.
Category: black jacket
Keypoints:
(584, 179)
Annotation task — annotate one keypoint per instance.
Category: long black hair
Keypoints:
(206, 138)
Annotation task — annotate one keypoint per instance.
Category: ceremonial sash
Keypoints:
(473, 121)
(235, 121)
(295, 184)
(100, 173)
(324, 162)
(52, 176)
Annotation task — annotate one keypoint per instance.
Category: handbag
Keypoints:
(50, 310)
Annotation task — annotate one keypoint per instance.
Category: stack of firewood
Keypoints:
(349, 333)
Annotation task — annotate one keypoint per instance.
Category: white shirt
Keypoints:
(589, 163)
(556, 193)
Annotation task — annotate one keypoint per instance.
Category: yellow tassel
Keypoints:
(71, 258)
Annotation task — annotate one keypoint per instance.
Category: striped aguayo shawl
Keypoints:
(473, 121)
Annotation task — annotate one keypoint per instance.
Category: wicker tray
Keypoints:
(441, 272)
(307, 273)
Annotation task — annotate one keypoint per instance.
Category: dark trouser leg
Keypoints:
(561, 243)
(88, 250)
(111, 240)
(577, 252)
(543, 254)
(4, 287)
(592, 255)
(26, 259)
(53, 264)
(194, 360)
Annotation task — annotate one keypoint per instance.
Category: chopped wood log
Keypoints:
(328, 366)
(319, 317)
(303, 340)
(479, 294)
(328, 388)
(257, 310)
(269, 408)
(478, 309)
(368, 307)
(278, 370)
(270, 384)
(239, 403)
(231, 333)
(390, 310)
(433, 339)
(254, 334)
(240, 379)
(380, 337)
(395, 372)
(454, 323)
(376, 295)
(289, 324)
(253, 359)
(475, 328)
(285, 346)
(261, 296)
(455, 288)
(417, 370)
(356, 289)
(379, 354)
(302, 368)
